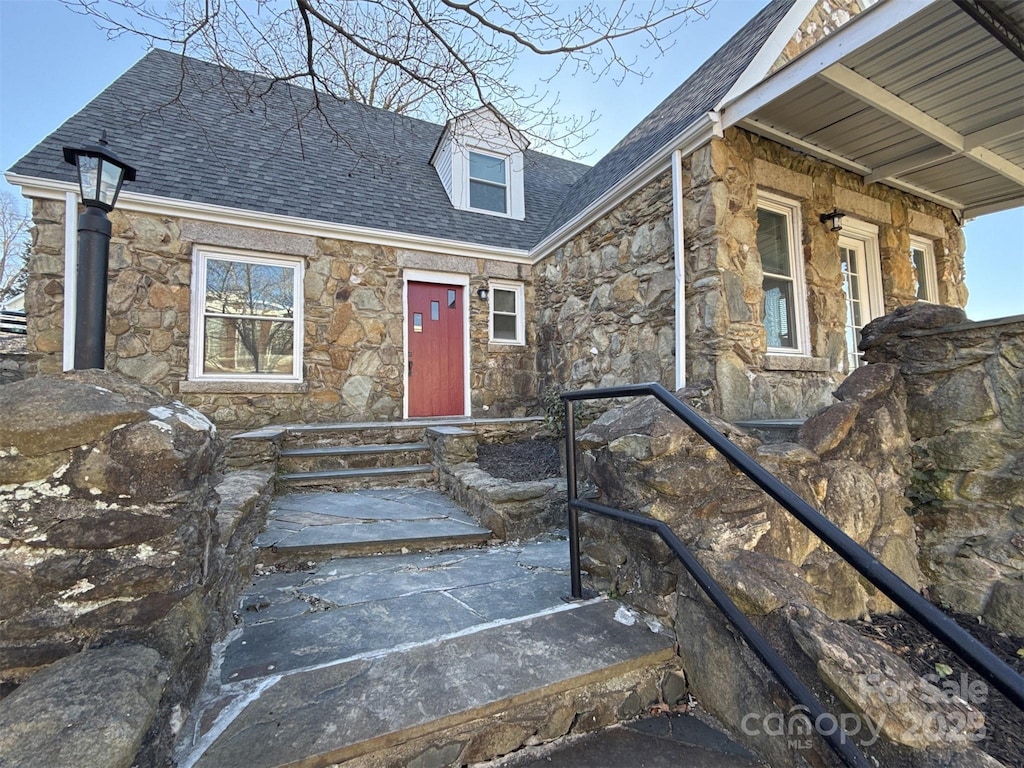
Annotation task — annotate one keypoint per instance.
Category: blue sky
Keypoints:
(53, 62)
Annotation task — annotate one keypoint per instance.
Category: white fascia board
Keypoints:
(762, 62)
(163, 206)
(1004, 205)
(862, 29)
(699, 132)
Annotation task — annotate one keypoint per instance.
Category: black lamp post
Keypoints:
(100, 175)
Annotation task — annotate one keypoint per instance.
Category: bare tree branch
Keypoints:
(432, 59)
(15, 224)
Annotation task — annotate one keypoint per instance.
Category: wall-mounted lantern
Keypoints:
(834, 219)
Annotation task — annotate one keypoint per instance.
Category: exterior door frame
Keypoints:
(443, 278)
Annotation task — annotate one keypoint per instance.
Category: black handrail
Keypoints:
(961, 642)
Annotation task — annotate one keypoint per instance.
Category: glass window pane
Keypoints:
(240, 288)
(778, 313)
(773, 243)
(417, 322)
(248, 346)
(918, 256)
(435, 310)
(451, 299)
(504, 301)
(486, 197)
(110, 173)
(88, 169)
(505, 327)
(487, 168)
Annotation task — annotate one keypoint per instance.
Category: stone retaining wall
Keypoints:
(118, 528)
(965, 394)
(512, 510)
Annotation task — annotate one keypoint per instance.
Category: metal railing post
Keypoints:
(570, 491)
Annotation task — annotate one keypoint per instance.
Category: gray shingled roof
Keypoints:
(700, 93)
(194, 134)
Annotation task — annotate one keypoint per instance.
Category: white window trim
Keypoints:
(518, 290)
(929, 278)
(198, 308)
(791, 210)
(507, 159)
(866, 236)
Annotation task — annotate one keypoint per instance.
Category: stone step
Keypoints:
(323, 458)
(340, 479)
(354, 450)
(469, 696)
(316, 525)
(667, 741)
(772, 430)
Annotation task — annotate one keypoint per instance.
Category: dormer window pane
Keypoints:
(487, 185)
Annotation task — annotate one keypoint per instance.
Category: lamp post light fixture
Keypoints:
(834, 219)
(100, 175)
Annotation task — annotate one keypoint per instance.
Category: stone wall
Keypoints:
(852, 462)
(606, 298)
(965, 391)
(605, 311)
(117, 528)
(353, 350)
(825, 18)
(724, 305)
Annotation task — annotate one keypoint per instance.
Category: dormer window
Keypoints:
(488, 186)
(479, 159)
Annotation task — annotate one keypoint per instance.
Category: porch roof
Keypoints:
(926, 96)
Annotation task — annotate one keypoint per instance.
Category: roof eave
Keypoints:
(50, 189)
(696, 134)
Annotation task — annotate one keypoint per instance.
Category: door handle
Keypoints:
(410, 367)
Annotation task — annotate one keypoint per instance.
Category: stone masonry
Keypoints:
(606, 298)
(353, 355)
(965, 394)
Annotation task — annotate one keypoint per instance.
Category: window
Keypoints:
(508, 322)
(922, 256)
(247, 323)
(862, 284)
(487, 183)
(785, 305)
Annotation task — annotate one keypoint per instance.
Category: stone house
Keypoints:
(275, 263)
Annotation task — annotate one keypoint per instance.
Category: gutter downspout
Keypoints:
(70, 278)
(679, 243)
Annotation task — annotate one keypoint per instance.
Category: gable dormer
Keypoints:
(479, 160)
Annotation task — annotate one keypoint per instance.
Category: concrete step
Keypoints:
(312, 460)
(315, 525)
(468, 696)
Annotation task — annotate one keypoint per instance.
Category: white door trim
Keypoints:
(443, 278)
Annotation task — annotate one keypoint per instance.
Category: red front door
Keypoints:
(435, 365)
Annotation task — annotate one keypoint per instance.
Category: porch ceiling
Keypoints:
(914, 94)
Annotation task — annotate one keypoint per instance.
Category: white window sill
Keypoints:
(506, 343)
(228, 387)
